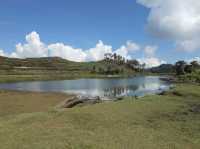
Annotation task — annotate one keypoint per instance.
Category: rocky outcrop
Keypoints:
(86, 100)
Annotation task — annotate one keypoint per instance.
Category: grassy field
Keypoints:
(16, 102)
(169, 121)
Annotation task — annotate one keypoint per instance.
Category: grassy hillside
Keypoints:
(169, 121)
(55, 68)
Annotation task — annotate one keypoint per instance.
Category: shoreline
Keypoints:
(33, 78)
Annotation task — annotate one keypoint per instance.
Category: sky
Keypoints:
(151, 31)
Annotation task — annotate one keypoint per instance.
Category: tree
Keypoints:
(93, 69)
(101, 70)
(188, 68)
(142, 66)
(180, 67)
(195, 65)
(133, 64)
(115, 56)
(108, 56)
(108, 69)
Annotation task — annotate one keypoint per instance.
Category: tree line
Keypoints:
(183, 67)
(116, 64)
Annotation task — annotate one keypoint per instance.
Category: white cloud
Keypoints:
(66, 52)
(2, 53)
(34, 47)
(132, 47)
(151, 62)
(150, 3)
(177, 20)
(188, 45)
(194, 59)
(80, 55)
(128, 49)
(150, 59)
(150, 51)
(97, 53)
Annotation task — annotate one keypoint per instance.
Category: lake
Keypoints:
(115, 87)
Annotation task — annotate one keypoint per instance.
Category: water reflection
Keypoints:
(137, 86)
(119, 91)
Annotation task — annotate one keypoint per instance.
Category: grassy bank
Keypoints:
(169, 121)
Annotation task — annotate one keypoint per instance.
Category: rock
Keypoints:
(162, 93)
(195, 109)
(81, 100)
(119, 98)
(176, 93)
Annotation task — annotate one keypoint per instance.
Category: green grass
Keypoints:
(193, 77)
(152, 122)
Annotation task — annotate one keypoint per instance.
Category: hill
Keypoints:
(48, 68)
(164, 69)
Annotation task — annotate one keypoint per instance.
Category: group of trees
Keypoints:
(108, 70)
(116, 64)
(114, 58)
(118, 59)
(182, 67)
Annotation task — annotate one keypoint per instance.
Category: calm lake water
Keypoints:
(137, 86)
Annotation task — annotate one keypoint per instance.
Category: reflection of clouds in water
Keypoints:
(91, 92)
(120, 90)
(149, 86)
(138, 86)
(134, 90)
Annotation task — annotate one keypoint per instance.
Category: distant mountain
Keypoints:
(164, 68)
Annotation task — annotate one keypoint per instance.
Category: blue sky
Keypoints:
(82, 23)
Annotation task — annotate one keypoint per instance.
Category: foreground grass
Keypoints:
(15, 102)
(171, 121)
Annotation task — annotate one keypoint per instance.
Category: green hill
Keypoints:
(13, 69)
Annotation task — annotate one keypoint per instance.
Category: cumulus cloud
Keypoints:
(66, 52)
(150, 59)
(34, 47)
(151, 62)
(97, 53)
(128, 49)
(194, 59)
(177, 20)
(2, 53)
(79, 55)
(150, 3)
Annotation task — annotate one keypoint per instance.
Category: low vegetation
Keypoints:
(181, 70)
(168, 121)
(188, 72)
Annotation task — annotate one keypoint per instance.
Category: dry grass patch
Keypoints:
(15, 102)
